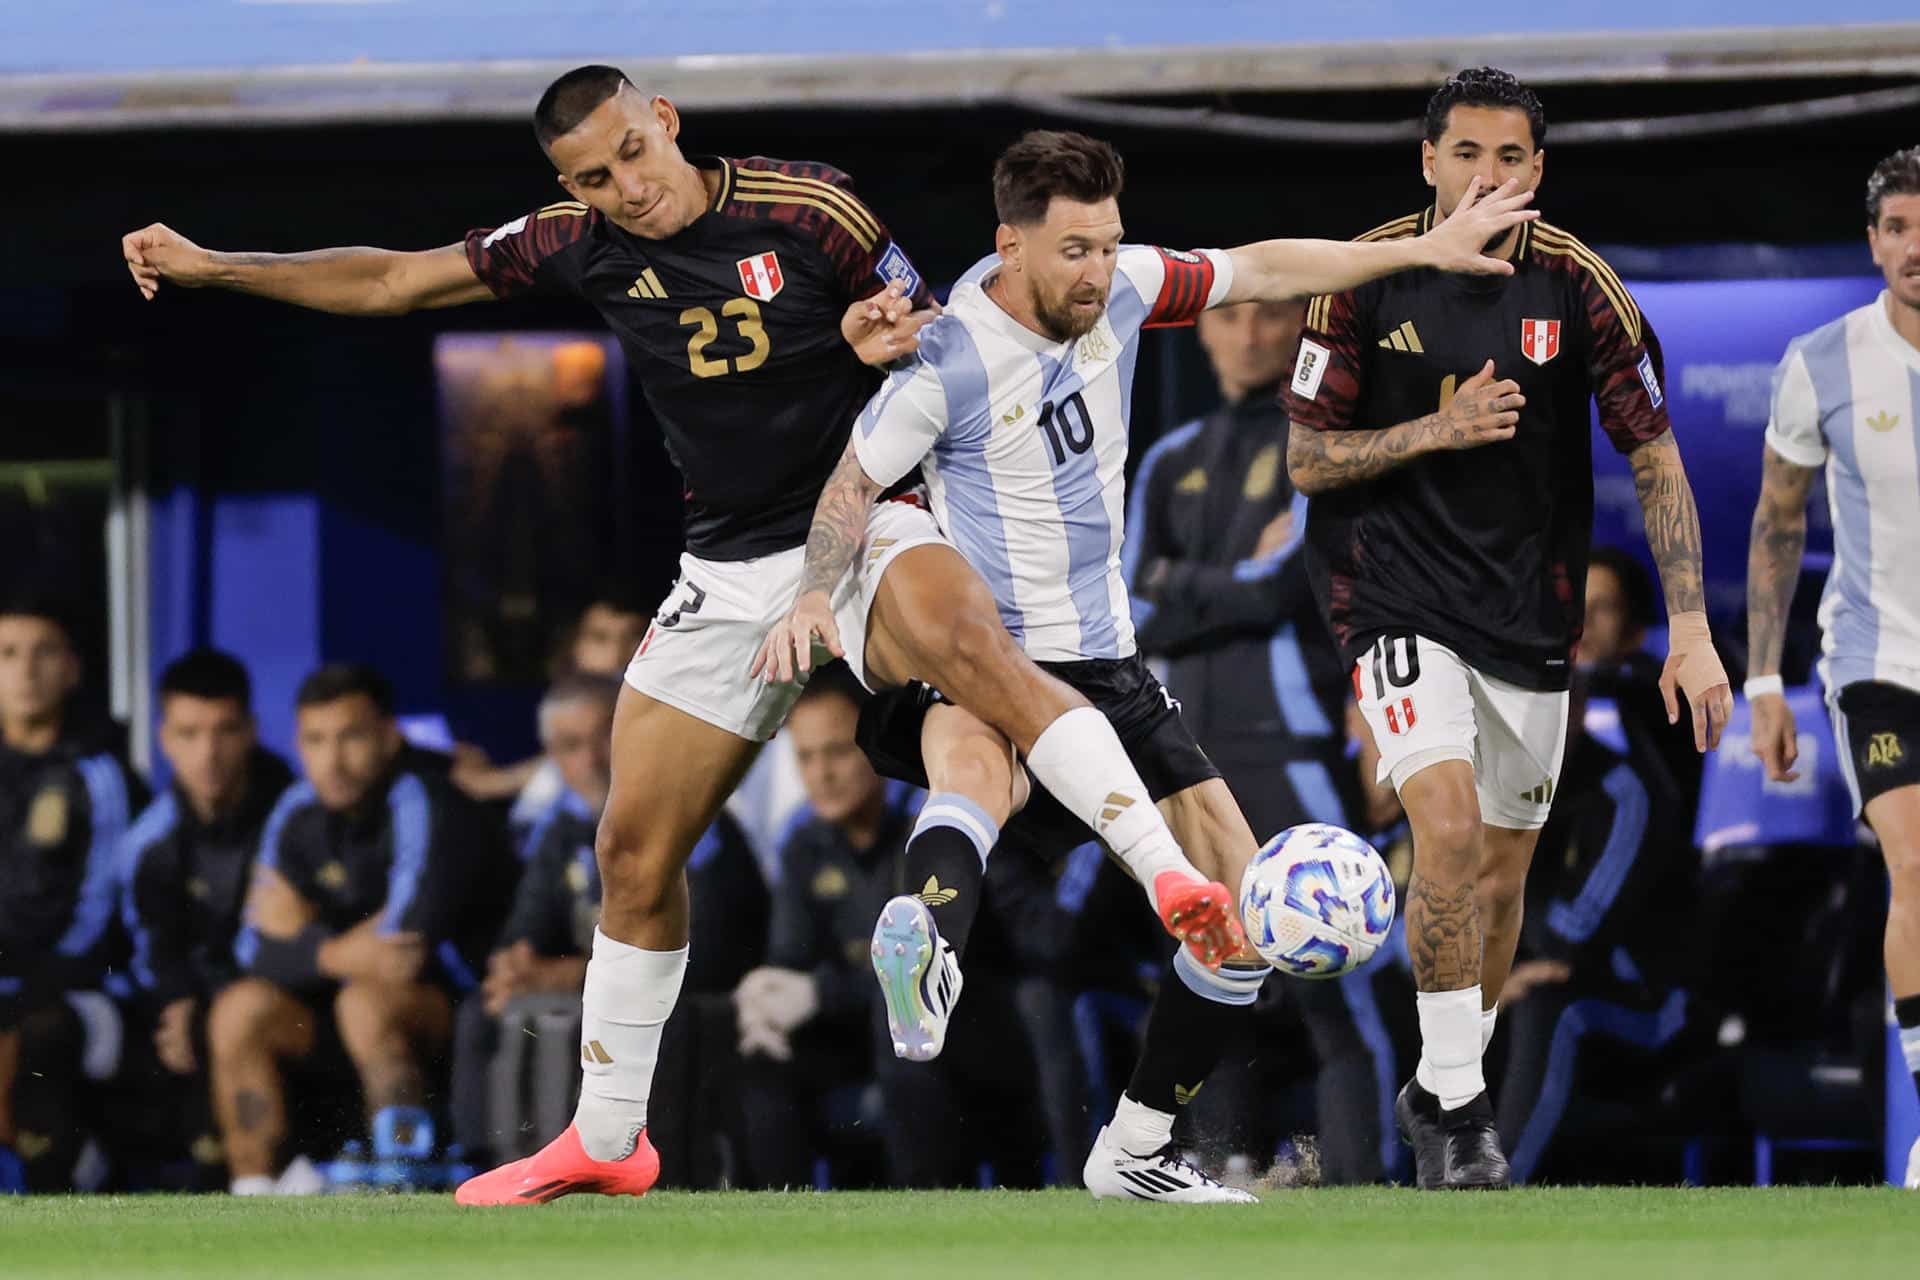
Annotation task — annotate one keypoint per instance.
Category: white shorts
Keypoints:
(1425, 705)
(711, 625)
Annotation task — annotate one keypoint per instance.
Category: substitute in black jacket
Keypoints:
(182, 878)
(1221, 592)
(375, 897)
(65, 798)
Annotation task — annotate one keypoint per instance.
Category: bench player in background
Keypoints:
(1847, 397)
(746, 295)
(1448, 545)
(1018, 405)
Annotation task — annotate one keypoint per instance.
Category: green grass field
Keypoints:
(1852, 1233)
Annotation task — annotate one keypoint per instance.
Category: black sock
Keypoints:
(1906, 1012)
(1188, 1032)
(944, 871)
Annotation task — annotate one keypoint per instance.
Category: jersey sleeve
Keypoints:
(1793, 425)
(1177, 285)
(1325, 388)
(1624, 364)
(904, 420)
(529, 254)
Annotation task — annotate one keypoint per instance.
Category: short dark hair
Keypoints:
(1485, 87)
(47, 606)
(209, 674)
(1897, 175)
(572, 98)
(1636, 584)
(337, 680)
(618, 597)
(1046, 163)
(835, 680)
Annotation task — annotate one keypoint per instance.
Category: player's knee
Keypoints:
(1502, 890)
(238, 1019)
(1903, 869)
(1449, 838)
(637, 869)
(365, 1013)
(980, 768)
(971, 645)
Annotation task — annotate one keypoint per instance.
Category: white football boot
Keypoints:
(1913, 1167)
(919, 978)
(1113, 1174)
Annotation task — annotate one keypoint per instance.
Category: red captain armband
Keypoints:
(1184, 292)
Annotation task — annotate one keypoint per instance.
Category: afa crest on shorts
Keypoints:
(760, 277)
(1539, 340)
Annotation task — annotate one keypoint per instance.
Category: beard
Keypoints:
(1062, 320)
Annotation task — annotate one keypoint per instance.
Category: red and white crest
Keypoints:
(760, 276)
(1539, 340)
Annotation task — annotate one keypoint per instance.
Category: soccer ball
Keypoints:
(1316, 901)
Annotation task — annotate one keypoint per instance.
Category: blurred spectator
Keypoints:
(1622, 609)
(818, 1066)
(65, 798)
(377, 890)
(183, 871)
(1598, 993)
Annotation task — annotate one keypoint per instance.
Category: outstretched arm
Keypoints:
(350, 281)
(1773, 570)
(1673, 533)
(1279, 270)
(1481, 412)
(839, 528)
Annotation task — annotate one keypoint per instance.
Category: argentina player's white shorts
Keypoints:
(1424, 705)
(706, 632)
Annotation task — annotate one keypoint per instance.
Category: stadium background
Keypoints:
(272, 482)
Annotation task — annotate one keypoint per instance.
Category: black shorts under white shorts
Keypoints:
(1878, 725)
(1144, 715)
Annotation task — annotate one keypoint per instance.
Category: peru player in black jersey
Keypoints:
(749, 296)
(1450, 519)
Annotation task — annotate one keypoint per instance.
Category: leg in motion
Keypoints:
(252, 1029)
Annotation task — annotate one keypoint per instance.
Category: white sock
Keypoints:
(1450, 1024)
(629, 995)
(1138, 1129)
(254, 1184)
(1488, 1018)
(1080, 760)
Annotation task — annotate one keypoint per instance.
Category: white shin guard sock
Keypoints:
(1138, 1129)
(629, 995)
(1079, 759)
(1488, 1019)
(1450, 1023)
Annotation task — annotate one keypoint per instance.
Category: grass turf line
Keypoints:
(1554, 1234)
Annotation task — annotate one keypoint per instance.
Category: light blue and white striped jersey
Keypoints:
(1848, 395)
(1024, 444)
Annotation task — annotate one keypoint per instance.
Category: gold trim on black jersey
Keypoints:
(562, 209)
(726, 185)
(758, 186)
(1563, 243)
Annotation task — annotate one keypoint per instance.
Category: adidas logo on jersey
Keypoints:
(1884, 421)
(933, 895)
(1019, 412)
(1405, 338)
(647, 285)
(1182, 1094)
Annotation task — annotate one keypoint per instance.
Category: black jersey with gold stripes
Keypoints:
(732, 327)
(1484, 550)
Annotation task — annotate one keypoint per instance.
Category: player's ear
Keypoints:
(668, 115)
(1539, 166)
(1006, 243)
(1427, 154)
(566, 184)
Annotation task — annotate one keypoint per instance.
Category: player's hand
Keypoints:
(1776, 739)
(885, 327)
(1482, 412)
(1460, 243)
(173, 1037)
(1693, 668)
(158, 252)
(787, 654)
(1531, 974)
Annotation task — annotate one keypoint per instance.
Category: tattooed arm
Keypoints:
(1773, 570)
(839, 528)
(1482, 412)
(1673, 534)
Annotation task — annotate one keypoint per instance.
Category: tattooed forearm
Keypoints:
(1672, 522)
(1322, 460)
(1443, 935)
(839, 524)
(1773, 559)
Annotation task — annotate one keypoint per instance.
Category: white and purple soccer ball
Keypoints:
(1317, 901)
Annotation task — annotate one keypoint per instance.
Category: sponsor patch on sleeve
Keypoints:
(1310, 368)
(893, 265)
(1651, 382)
(1181, 255)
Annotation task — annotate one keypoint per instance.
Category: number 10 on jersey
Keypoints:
(1069, 429)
